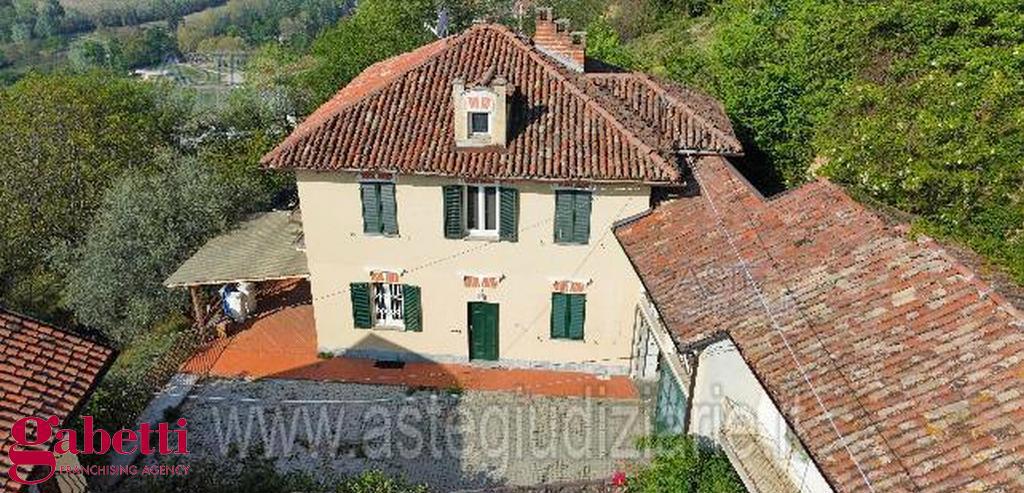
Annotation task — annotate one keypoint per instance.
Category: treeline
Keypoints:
(87, 15)
(24, 20)
(123, 49)
(254, 22)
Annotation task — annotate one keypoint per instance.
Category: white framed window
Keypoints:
(482, 210)
(388, 305)
(479, 123)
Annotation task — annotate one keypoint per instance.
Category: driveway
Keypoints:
(448, 439)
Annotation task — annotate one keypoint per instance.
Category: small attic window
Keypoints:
(479, 123)
(480, 112)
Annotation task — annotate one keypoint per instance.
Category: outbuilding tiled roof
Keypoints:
(397, 116)
(44, 371)
(898, 368)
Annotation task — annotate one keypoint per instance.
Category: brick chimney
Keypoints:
(554, 38)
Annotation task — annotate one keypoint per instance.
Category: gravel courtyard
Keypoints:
(450, 440)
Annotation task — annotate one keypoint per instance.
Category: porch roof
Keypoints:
(265, 247)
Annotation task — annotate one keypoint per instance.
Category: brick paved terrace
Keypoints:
(280, 342)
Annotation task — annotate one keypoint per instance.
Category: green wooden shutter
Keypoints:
(577, 315)
(370, 193)
(563, 216)
(388, 209)
(453, 225)
(559, 315)
(581, 217)
(509, 220)
(412, 308)
(361, 306)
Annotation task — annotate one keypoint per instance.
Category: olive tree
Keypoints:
(149, 223)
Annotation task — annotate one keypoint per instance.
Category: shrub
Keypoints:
(681, 464)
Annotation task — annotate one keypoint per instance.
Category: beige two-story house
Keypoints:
(458, 200)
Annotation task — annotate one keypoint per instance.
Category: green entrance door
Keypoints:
(483, 331)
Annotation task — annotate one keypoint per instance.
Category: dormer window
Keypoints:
(481, 112)
(479, 124)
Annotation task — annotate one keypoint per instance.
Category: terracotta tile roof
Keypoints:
(397, 116)
(864, 334)
(684, 119)
(44, 371)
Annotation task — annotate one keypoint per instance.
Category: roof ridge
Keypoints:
(650, 82)
(589, 101)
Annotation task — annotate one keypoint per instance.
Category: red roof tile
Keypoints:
(855, 330)
(397, 116)
(44, 372)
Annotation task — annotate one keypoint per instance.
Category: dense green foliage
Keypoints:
(123, 50)
(63, 139)
(21, 20)
(914, 103)
(149, 223)
(681, 464)
(259, 21)
(377, 30)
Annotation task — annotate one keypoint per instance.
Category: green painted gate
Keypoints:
(483, 331)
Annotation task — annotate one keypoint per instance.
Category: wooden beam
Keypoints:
(197, 309)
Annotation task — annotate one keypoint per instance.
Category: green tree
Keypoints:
(95, 52)
(148, 46)
(24, 20)
(377, 30)
(48, 18)
(681, 464)
(150, 221)
(232, 135)
(63, 139)
(603, 44)
(7, 13)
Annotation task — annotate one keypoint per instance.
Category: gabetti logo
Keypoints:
(93, 441)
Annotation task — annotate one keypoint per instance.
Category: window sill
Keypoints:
(482, 237)
(388, 328)
(380, 235)
(565, 339)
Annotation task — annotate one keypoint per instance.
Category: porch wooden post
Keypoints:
(197, 310)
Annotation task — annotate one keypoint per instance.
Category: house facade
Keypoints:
(458, 200)
(523, 300)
